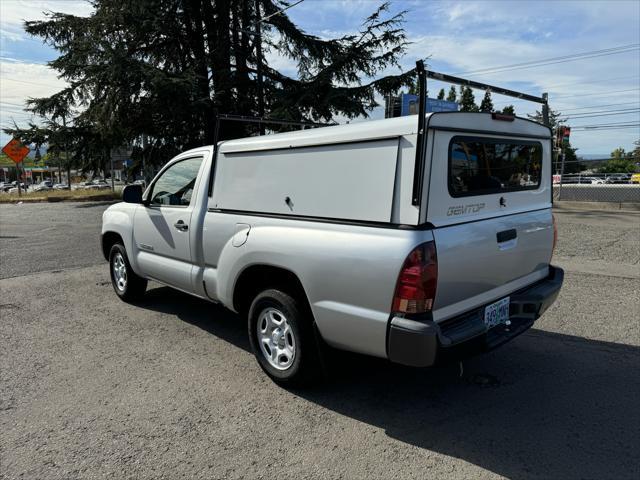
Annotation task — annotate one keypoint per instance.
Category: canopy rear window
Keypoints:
(481, 166)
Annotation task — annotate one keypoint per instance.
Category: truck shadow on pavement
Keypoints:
(546, 405)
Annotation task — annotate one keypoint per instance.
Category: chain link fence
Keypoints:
(597, 187)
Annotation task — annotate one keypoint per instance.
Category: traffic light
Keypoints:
(562, 135)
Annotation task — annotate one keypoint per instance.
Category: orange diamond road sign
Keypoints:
(15, 150)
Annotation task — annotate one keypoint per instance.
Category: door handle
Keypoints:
(180, 225)
(506, 235)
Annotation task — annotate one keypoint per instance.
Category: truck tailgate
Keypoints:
(479, 262)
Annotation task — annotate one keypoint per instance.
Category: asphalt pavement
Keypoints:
(91, 387)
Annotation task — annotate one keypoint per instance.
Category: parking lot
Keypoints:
(91, 387)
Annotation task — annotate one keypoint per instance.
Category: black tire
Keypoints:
(304, 368)
(134, 286)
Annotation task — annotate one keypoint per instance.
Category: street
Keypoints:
(93, 387)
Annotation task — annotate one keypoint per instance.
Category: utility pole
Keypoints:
(258, 41)
(113, 185)
(66, 151)
(545, 109)
(19, 175)
(144, 154)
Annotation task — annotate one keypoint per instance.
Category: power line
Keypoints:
(12, 104)
(601, 106)
(552, 100)
(605, 126)
(27, 82)
(554, 60)
(629, 111)
(280, 11)
(598, 94)
(591, 129)
(590, 82)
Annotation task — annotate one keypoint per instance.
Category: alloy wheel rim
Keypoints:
(119, 272)
(276, 338)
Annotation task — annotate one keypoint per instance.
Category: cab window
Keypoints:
(175, 186)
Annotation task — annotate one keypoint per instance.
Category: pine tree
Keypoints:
(441, 94)
(467, 100)
(487, 104)
(452, 97)
(165, 68)
(555, 118)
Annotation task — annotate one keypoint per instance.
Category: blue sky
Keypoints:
(458, 37)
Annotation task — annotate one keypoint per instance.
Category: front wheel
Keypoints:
(281, 335)
(127, 285)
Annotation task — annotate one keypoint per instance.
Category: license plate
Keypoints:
(497, 313)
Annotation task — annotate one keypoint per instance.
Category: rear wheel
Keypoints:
(282, 338)
(127, 285)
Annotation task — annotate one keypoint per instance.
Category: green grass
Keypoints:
(59, 196)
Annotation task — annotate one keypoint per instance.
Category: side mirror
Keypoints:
(132, 194)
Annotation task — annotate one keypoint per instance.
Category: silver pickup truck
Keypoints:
(372, 237)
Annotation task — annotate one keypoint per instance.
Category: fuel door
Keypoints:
(241, 234)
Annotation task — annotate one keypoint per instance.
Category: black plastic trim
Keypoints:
(506, 235)
(423, 342)
(418, 168)
(212, 170)
(310, 218)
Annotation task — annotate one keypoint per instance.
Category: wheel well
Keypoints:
(257, 278)
(109, 239)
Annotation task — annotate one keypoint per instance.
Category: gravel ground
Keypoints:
(91, 387)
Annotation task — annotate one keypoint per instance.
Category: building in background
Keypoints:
(407, 104)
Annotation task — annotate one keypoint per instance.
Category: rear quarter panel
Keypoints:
(348, 272)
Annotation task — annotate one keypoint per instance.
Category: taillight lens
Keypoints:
(416, 286)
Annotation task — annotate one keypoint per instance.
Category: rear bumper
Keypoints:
(423, 342)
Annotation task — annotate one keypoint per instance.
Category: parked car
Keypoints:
(618, 178)
(594, 180)
(61, 186)
(45, 185)
(97, 185)
(13, 187)
(351, 237)
(635, 178)
(580, 180)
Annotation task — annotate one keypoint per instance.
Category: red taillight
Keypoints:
(502, 117)
(416, 286)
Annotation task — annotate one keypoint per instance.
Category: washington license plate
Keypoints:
(497, 313)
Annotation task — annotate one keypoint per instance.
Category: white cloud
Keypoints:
(19, 81)
(13, 13)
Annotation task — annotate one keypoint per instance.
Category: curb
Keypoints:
(624, 206)
(96, 198)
